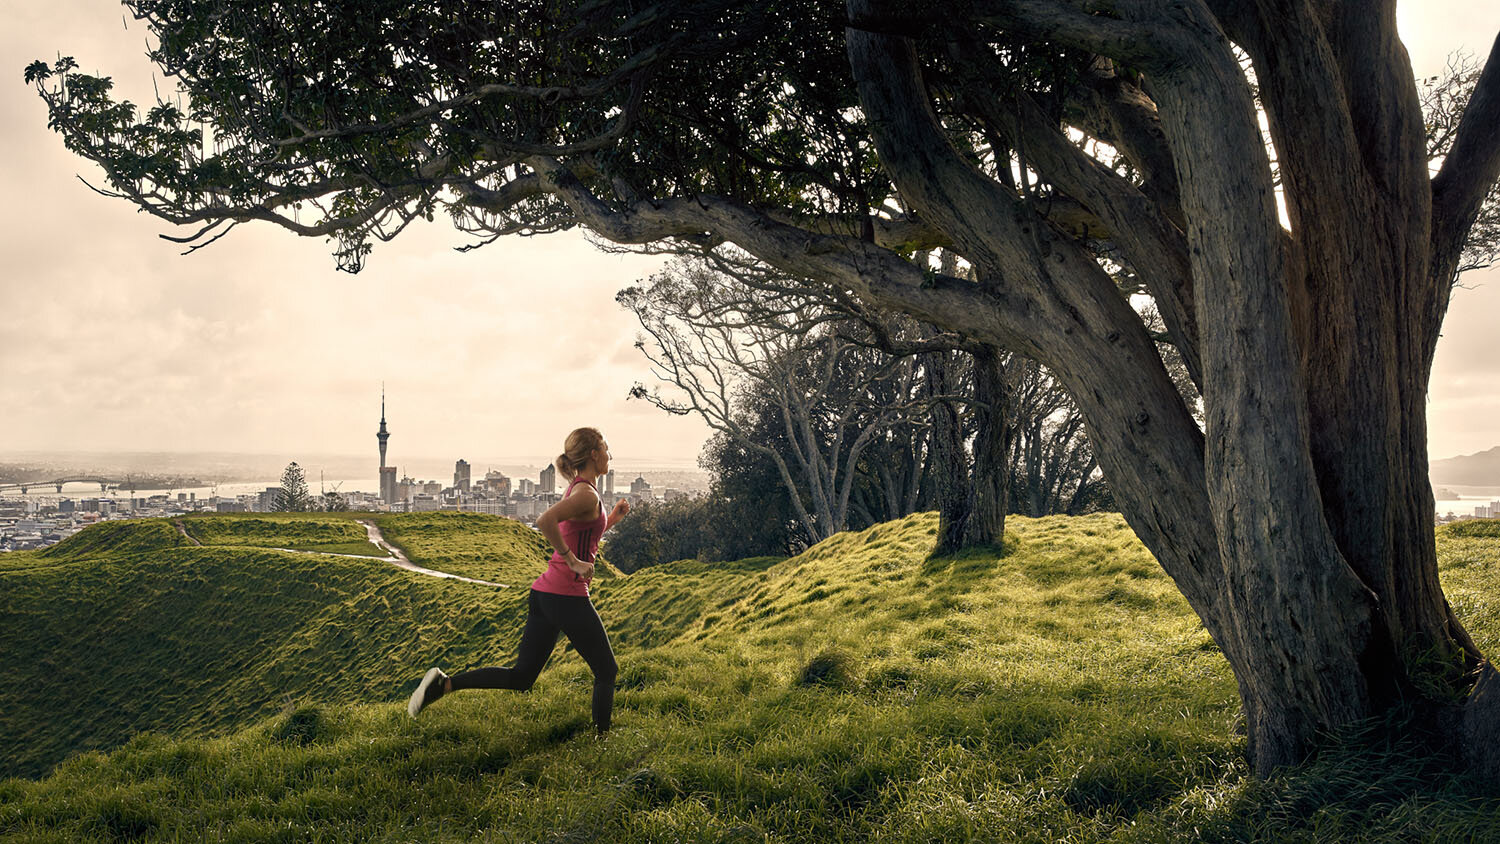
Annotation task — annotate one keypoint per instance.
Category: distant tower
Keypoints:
(461, 476)
(609, 482)
(382, 434)
(548, 481)
(387, 473)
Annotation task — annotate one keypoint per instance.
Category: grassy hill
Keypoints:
(323, 532)
(859, 691)
(126, 626)
(473, 545)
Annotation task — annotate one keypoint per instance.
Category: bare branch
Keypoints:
(1470, 171)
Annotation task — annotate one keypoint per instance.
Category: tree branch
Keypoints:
(876, 274)
(1156, 248)
(1082, 24)
(1468, 173)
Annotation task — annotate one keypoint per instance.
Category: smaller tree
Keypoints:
(1445, 99)
(333, 502)
(722, 344)
(660, 532)
(294, 497)
(753, 513)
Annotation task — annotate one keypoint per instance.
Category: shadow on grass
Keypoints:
(1361, 787)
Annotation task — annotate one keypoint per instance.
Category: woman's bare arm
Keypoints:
(622, 507)
(578, 505)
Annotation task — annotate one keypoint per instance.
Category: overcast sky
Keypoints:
(109, 340)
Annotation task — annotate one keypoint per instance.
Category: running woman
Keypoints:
(559, 599)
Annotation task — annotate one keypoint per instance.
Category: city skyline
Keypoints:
(116, 342)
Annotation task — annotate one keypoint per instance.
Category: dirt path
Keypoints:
(182, 530)
(396, 558)
(399, 559)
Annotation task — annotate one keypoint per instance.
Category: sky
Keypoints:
(110, 340)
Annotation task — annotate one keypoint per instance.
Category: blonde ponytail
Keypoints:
(578, 449)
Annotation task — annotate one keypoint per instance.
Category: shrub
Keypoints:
(831, 669)
(303, 726)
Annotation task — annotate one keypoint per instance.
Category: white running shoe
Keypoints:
(428, 691)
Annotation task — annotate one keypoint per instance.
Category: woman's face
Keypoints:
(601, 457)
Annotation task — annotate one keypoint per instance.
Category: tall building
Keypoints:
(388, 491)
(387, 473)
(461, 475)
(497, 482)
(548, 482)
(639, 486)
(609, 482)
(266, 502)
(382, 434)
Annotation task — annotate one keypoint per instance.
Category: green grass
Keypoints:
(474, 545)
(360, 548)
(198, 640)
(857, 692)
(280, 530)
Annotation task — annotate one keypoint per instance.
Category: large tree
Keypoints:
(831, 142)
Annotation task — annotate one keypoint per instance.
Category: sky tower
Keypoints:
(382, 434)
(387, 473)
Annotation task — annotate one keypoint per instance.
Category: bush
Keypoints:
(706, 528)
(830, 669)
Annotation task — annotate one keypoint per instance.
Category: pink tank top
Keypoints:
(582, 537)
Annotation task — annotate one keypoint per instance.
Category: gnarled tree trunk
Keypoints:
(991, 451)
(952, 490)
(1299, 525)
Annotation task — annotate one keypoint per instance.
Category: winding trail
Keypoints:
(398, 559)
(182, 530)
(395, 558)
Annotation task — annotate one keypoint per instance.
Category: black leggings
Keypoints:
(547, 615)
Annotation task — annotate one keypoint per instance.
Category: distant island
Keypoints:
(1481, 469)
(159, 482)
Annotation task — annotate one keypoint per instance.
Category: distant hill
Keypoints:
(1481, 469)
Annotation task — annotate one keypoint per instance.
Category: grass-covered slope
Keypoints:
(329, 533)
(126, 627)
(279, 530)
(475, 545)
(113, 539)
(857, 692)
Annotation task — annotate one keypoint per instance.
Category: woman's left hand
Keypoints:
(622, 507)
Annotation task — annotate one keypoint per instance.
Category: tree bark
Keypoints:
(991, 447)
(951, 487)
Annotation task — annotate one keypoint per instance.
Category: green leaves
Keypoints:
(367, 115)
(37, 71)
